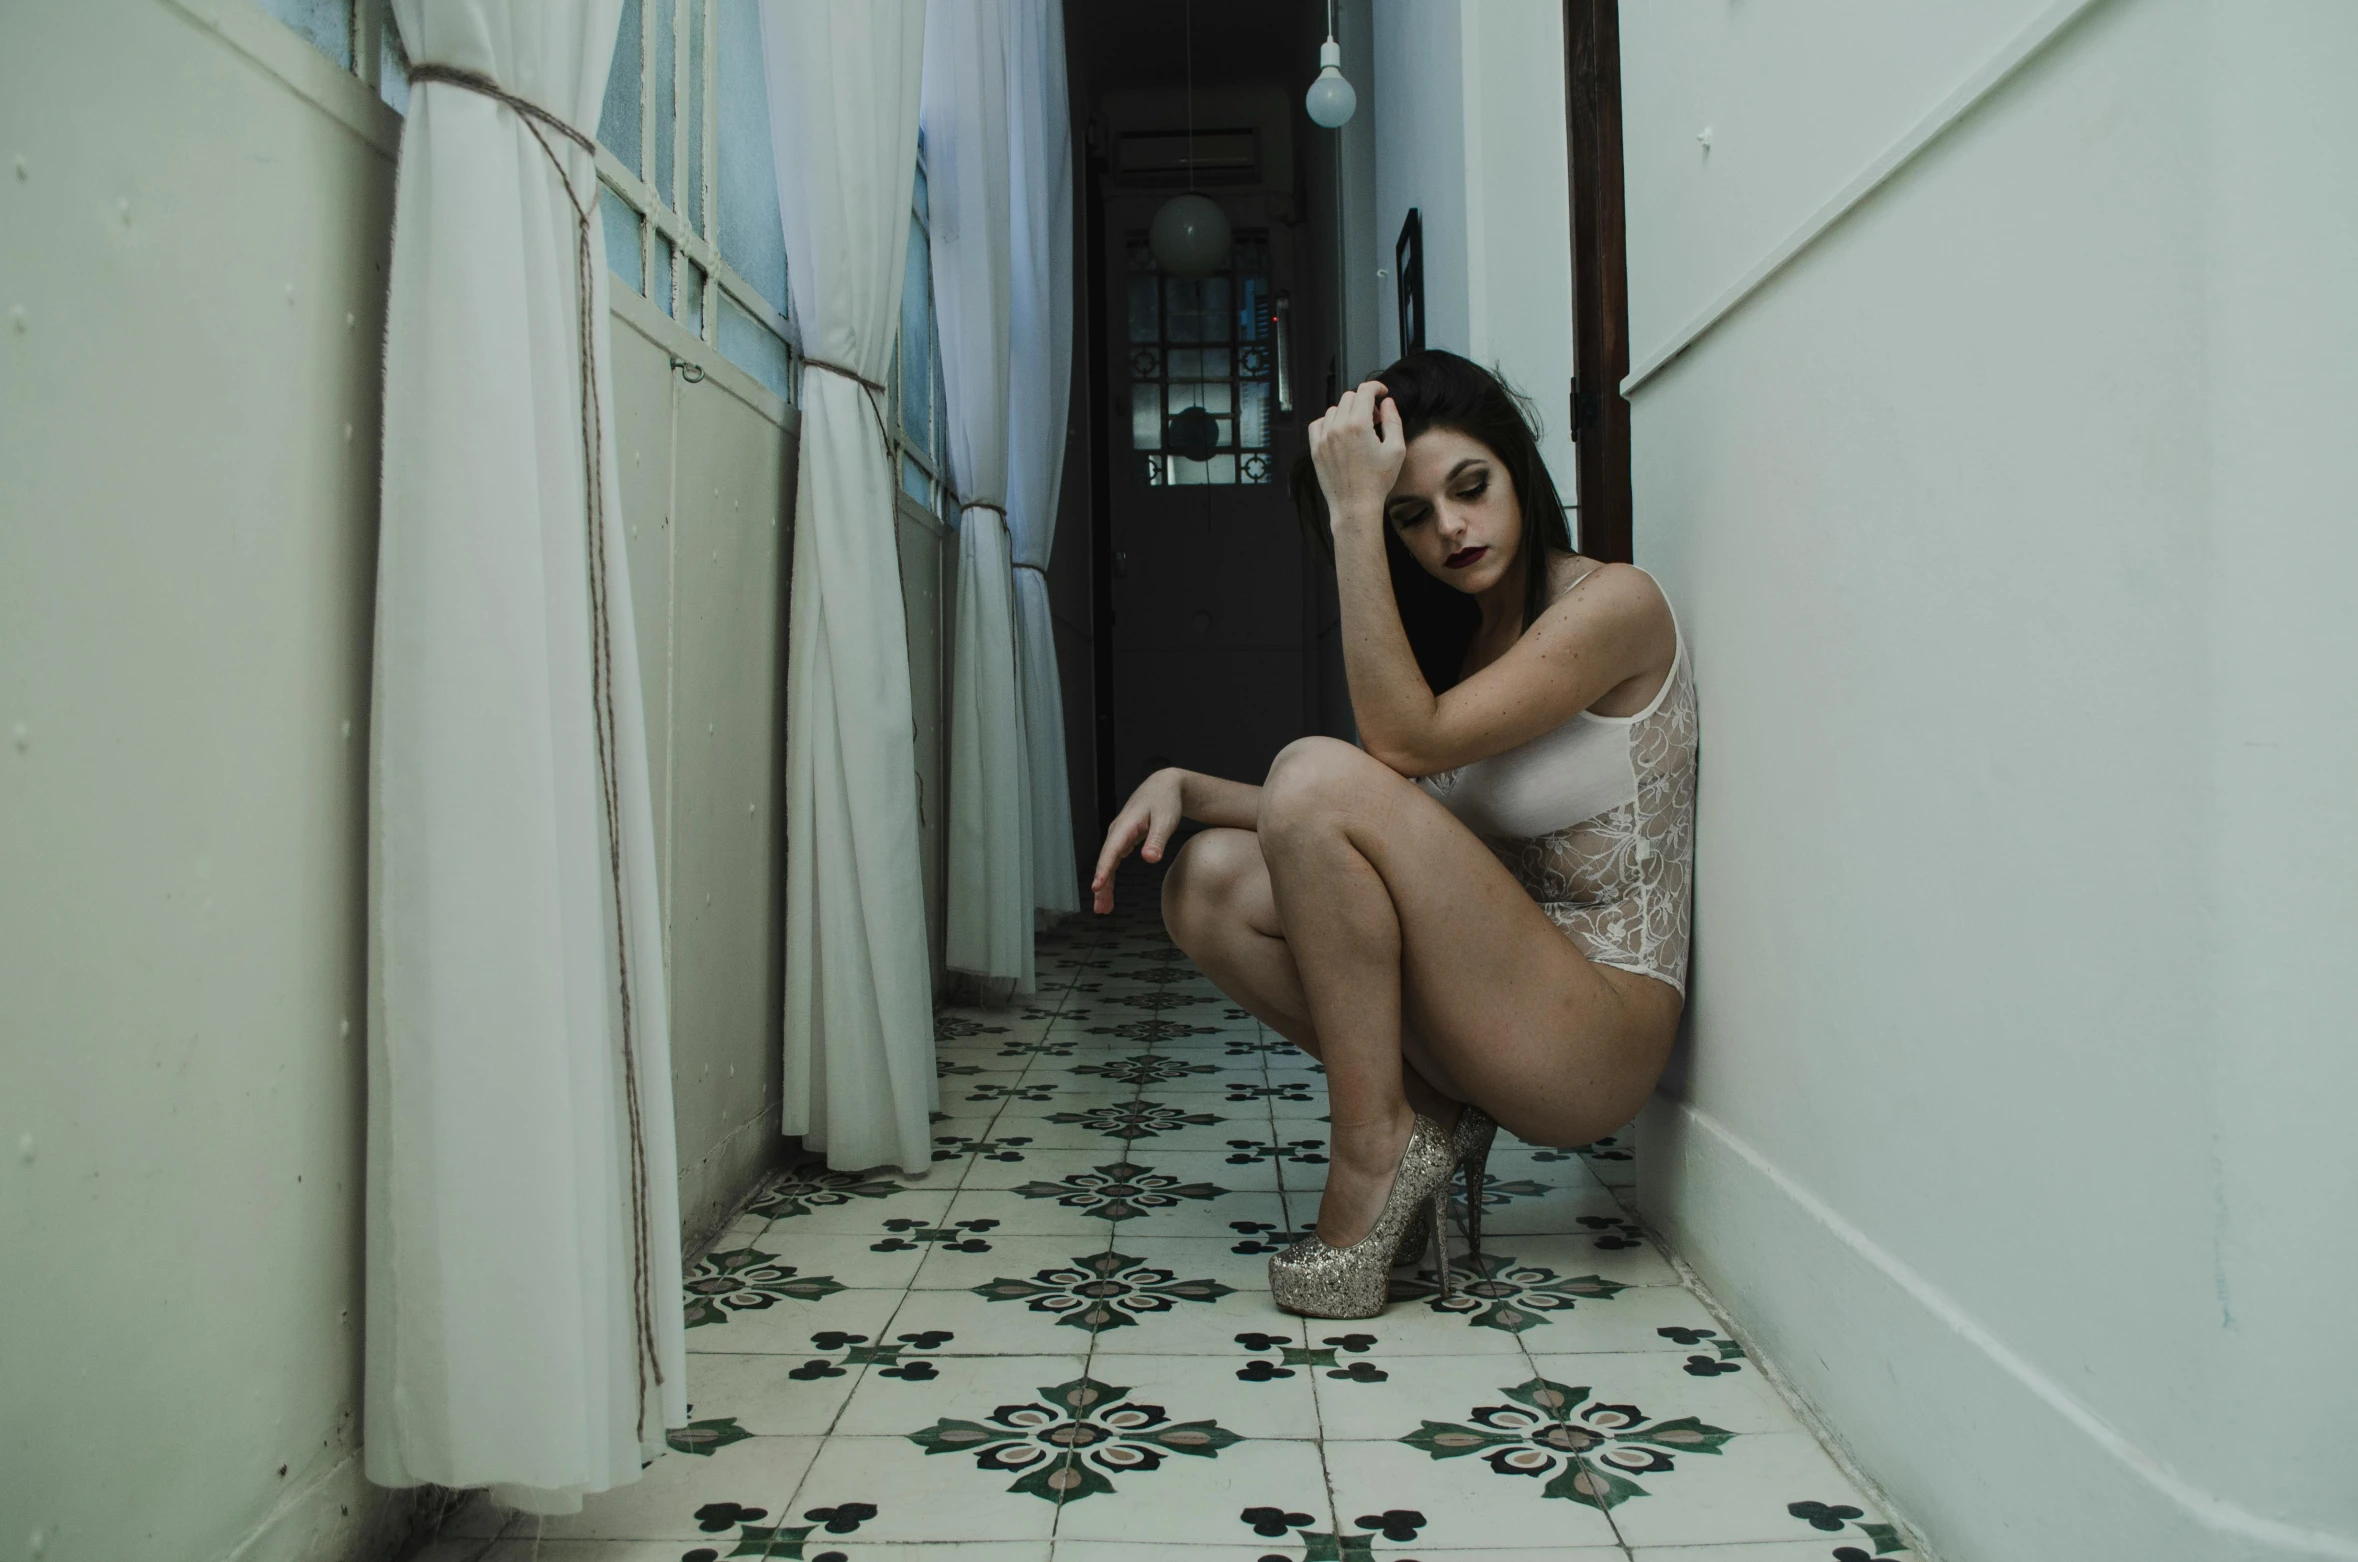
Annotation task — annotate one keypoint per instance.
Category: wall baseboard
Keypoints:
(1978, 1447)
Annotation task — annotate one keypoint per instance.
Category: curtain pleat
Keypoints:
(843, 79)
(1040, 146)
(523, 1279)
(989, 874)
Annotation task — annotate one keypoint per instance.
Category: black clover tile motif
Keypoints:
(1148, 1068)
(1729, 1359)
(1158, 1000)
(1613, 1234)
(1016, 1092)
(1295, 1152)
(1290, 1090)
(857, 1351)
(1134, 1120)
(1151, 1031)
(1835, 1517)
(1255, 1046)
(1317, 1545)
(1586, 1452)
(1100, 1291)
(965, 1236)
(1166, 971)
(1258, 1236)
(949, 1147)
(1319, 1357)
(1121, 1191)
(800, 1189)
(744, 1280)
(705, 1438)
(1500, 1291)
(1036, 1049)
(1069, 1444)
(956, 1027)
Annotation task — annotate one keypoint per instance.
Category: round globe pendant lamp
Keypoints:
(1189, 236)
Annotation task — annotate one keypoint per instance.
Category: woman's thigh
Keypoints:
(1558, 1049)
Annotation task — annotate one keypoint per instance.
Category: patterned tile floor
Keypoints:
(1059, 1342)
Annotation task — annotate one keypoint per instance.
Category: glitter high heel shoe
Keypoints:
(1321, 1281)
(1469, 1142)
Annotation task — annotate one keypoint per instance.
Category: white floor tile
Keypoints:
(1742, 1493)
(1192, 1500)
(920, 1497)
(1463, 1501)
(964, 1388)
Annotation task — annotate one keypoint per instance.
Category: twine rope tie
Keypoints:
(538, 120)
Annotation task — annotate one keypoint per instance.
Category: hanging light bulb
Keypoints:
(1330, 100)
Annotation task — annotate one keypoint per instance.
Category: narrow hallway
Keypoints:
(1060, 1340)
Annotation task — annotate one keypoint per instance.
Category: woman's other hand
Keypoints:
(1357, 448)
(1150, 816)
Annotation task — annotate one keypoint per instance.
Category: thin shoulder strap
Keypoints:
(1584, 574)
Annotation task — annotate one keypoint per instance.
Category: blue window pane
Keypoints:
(754, 347)
(751, 238)
(917, 340)
(392, 66)
(666, 104)
(622, 240)
(659, 285)
(326, 23)
(915, 483)
(618, 117)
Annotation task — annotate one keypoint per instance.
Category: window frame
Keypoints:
(372, 30)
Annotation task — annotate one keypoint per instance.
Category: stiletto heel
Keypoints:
(1322, 1281)
(1475, 1129)
(1441, 1237)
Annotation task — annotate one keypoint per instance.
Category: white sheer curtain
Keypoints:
(843, 88)
(1040, 148)
(523, 1327)
(989, 893)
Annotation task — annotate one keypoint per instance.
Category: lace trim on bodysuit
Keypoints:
(1620, 883)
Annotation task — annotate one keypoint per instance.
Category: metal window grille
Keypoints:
(1206, 343)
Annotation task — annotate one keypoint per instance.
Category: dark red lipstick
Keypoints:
(1463, 557)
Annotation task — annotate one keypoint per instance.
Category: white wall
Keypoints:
(1469, 130)
(196, 235)
(2009, 525)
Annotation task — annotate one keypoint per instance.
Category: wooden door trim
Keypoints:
(1600, 275)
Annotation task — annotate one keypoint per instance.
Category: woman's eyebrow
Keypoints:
(1461, 466)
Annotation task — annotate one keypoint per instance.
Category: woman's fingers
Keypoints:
(1158, 835)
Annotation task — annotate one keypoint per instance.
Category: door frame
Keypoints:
(1600, 276)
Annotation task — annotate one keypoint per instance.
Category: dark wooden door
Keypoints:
(1210, 662)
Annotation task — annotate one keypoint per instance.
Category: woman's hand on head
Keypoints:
(1357, 448)
(1144, 826)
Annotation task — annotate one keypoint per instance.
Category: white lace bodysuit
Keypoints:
(1596, 820)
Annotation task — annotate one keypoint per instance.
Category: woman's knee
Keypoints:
(1312, 779)
(1205, 881)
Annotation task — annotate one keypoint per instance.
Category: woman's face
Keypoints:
(1454, 507)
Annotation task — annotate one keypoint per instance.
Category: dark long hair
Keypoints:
(1436, 389)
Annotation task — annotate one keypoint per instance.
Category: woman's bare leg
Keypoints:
(1397, 918)
(1220, 910)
